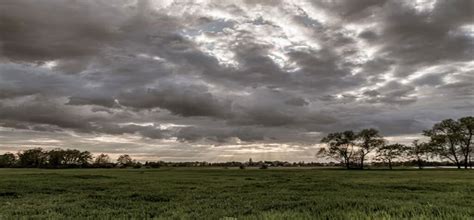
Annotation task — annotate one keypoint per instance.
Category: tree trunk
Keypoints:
(469, 159)
(467, 154)
(390, 164)
(453, 152)
(362, 162)
(456, 160)
(468, 149)
(420, 164)
(466, 160)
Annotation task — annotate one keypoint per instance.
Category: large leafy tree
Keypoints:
(446, 139)
(391, 152)
(68, 158)
(7, 160)
(340, 146)
(35, 157)
(56, 158)
(367, 141)
(466, 132)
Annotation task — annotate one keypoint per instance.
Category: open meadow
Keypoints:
(231, 193)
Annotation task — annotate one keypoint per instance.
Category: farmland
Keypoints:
(212, 193)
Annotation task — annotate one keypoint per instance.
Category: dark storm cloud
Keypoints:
(183, 100)
(35, 32)
(244, 72)
(297, 102)
(41, 110)
(420, 39)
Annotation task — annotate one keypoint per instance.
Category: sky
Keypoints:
(228, 80)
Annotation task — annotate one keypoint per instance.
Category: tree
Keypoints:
(56, 158)
(102, 159)
(68, 158)
(59, 158)
(7, 160)
(136, 164)
(72, 156)
(35, 157)
(84, 158)
(391, 152)
(419, 152)
(446, 139)
(124, 160)
(340, 146)
(466, 130)
(368, 140)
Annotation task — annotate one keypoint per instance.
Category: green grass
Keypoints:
(230, 193)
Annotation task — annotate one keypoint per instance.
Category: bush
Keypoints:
(137, 165)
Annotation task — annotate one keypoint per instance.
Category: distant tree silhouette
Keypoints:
(340, 146)
(420, 152)
(124, 160)
(158, 164)
(7, 160)
(391, 152)
(367, 141)
(102, 159)
(56, 158)
(78, 158)
(35, 157)
(137, 165)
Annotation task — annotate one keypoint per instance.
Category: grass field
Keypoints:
(230, 193)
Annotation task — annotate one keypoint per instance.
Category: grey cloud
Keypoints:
(41, 110)
(181, 100)
(213, 72)
(394, 93)
(297, 102)
(219, 134)
(368, 35)
(55, 29)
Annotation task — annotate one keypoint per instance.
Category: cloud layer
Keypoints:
(221, 80)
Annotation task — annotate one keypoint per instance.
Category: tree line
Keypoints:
(72, 158)
(60, 158)
(449, 143)
(449, 140)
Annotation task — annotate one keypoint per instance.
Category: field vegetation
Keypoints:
(218, 193)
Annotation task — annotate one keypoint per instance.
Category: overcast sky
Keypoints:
(228, 80)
